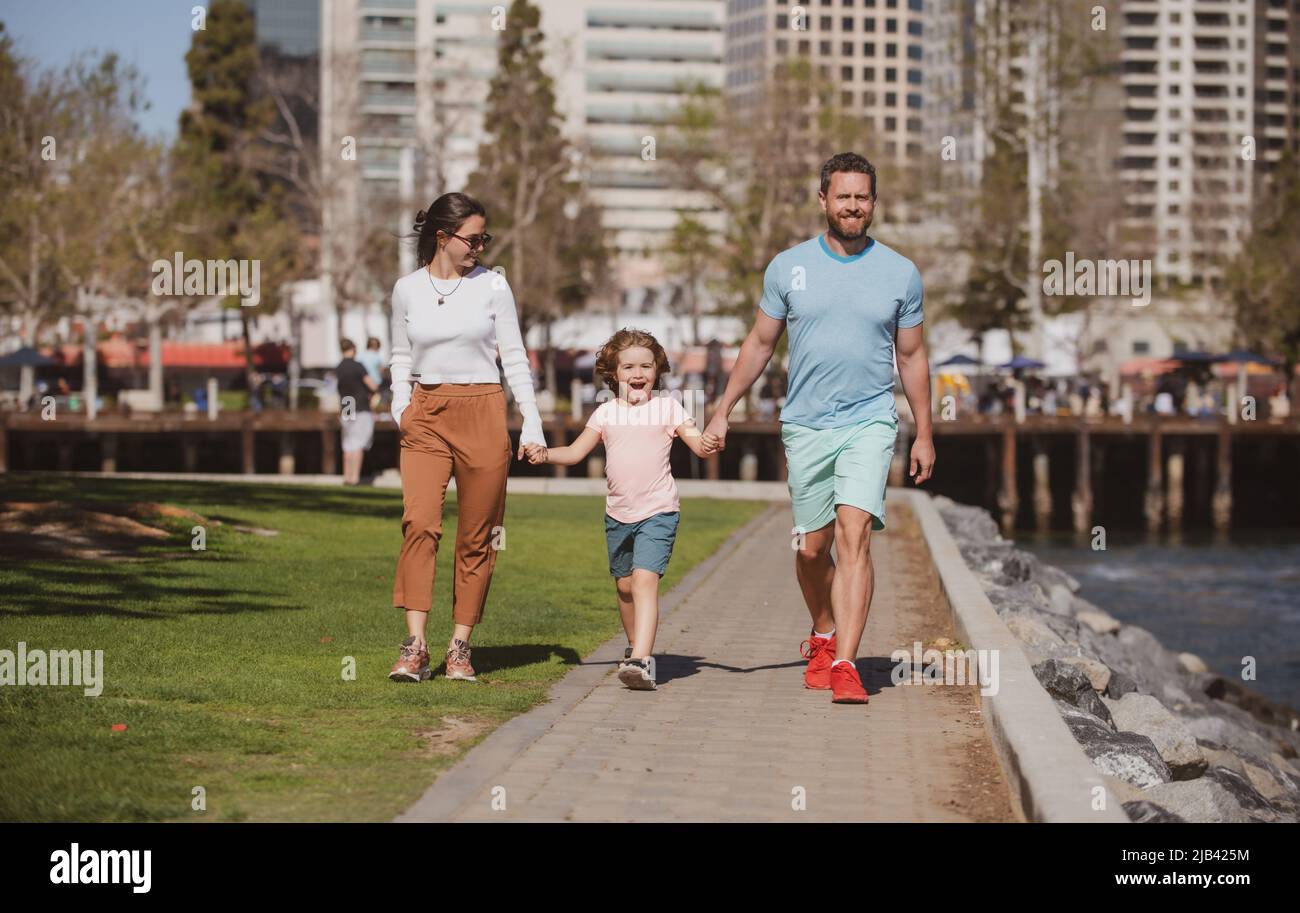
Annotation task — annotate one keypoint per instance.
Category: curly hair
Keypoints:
(607, 357)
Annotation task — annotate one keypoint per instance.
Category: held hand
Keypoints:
(715, 432)
(922, 460)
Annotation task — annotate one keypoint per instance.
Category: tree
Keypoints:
(1037, 68)
(687, 254)
(1261, 281)
(35, 110)
(758, 164)
(234, 210)
(81, 188)
(549, 236)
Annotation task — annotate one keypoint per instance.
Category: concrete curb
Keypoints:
(1051, 778)
(483, 765)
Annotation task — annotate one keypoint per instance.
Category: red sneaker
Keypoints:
(846, 687)
(820, 653)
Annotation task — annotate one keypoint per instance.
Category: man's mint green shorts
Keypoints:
(830, 466)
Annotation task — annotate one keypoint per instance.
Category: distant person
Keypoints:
(372, 361)
(355, 418)
(642, 509)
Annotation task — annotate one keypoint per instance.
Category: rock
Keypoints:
(1141, 642)
(1175, 697)
(1226, 732)
(1068, 683)
(1288, 767)
(1201, 801)
(1098, 672)
(1262, 780)
(1098, 621)
(1122, 791)
(1261, 708)
(1027, 597)
(1060, 600)
(1217, 755)
(967, 522)
(1126, 755)
(1145, 812)
(1033, 632)
(1119, 685)
(1190, 662)
(1146, 716)
(1243, 792)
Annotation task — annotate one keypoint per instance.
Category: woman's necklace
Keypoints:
(441, 297)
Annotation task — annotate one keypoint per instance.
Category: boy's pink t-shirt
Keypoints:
(637, 442)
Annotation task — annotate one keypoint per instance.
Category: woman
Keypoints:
(450, 318)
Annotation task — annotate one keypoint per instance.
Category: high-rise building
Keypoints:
(1277, 80)
(875, 51)
(414, 75)
(1189, 85)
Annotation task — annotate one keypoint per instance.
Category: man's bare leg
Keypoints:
(854, 581)
(815, 570)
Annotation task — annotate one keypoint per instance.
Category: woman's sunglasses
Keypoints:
(474, 241)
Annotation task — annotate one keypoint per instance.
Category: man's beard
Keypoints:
(843, 235)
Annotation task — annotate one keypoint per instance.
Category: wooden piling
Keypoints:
(1081, 503)
(329, 464)
(1042, 488)
(1008, 497)
(1222, 504)
(286, 466)
(246, 445)
(1154, 503)
(1174, 486)
(108, 453)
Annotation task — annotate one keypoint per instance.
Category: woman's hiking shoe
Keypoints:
(458, 666)
(412, 663)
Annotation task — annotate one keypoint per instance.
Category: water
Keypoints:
(1220, 599)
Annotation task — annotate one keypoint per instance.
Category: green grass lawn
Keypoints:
(226, 665)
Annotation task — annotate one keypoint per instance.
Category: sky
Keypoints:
(154, 35)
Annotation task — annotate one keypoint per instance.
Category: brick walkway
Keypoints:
(732, 734)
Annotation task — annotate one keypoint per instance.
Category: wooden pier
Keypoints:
(309, 441)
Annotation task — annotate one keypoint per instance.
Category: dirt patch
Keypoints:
(450, 738)
(31, 530)
(982, 794)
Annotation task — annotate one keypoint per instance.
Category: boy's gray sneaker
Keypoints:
(638, 674)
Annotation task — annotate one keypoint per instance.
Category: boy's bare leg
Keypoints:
(854, 581)
(626, 607)
(645, 597)
(815, 570)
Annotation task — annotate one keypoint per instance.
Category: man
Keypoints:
(357, 421)
(852, 304)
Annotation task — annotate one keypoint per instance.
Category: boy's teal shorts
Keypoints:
(646, 544)
(830, 466)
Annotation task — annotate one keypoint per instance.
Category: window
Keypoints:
(846, 48)
(891, 74)
(1141, 347)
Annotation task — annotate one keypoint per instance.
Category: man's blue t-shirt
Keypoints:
(841, 313)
